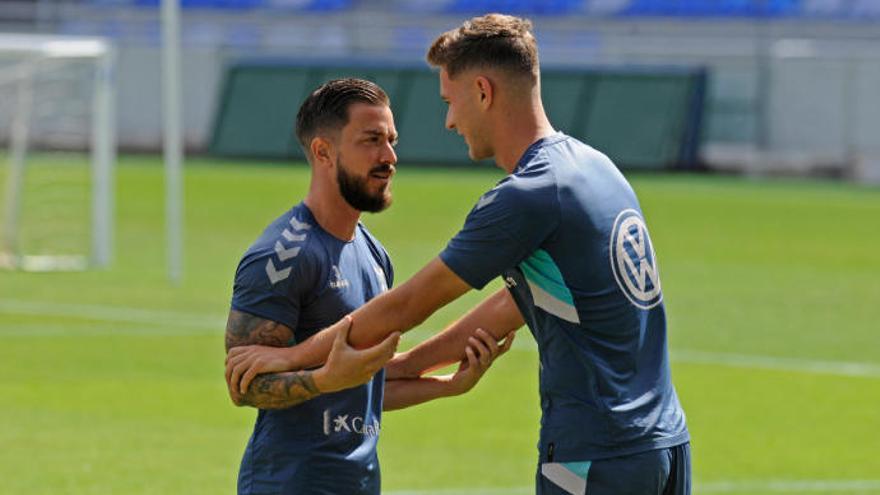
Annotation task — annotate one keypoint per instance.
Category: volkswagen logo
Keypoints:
(633, 261)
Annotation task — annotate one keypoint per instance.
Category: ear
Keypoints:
(485, 91)
(322, 151)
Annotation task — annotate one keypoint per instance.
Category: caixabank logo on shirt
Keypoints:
(633, 260)
(347, 423)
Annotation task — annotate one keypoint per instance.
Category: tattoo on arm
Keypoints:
(271, 390)
(280, 390)
(246, 329)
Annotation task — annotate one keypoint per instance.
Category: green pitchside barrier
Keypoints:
(642, 118)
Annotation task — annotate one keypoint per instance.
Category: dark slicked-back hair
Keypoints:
(327, 107)
(489, 41)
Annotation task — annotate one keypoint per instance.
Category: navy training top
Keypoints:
(301, 276)
(566, 232)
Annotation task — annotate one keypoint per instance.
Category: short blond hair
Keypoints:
(490, 41)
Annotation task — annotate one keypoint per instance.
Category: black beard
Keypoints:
(356, 193)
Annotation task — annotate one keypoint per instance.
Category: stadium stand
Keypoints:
(312, 6)
(549, 7)
(793, 79)
(855, 10)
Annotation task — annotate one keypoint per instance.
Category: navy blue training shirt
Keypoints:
(300, 275)
(566, 232)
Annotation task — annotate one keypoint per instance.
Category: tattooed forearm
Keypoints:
(280, 390)
(271, 390)
(247, 329)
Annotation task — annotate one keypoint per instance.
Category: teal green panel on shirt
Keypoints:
(541, 270)
(581, 469)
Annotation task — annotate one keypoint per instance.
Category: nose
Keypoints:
(388, 155)
(449, 123)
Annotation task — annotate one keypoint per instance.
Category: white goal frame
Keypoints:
(34, 50)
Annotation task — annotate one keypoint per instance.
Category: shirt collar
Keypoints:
(535, 147)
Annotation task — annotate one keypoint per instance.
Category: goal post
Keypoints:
(58, 96)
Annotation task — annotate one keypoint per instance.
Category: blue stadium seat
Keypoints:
(295, 5)
(207, 4)
(842, 9)
(536, 7)
(808, 9)
(328, 5)
(714, 8)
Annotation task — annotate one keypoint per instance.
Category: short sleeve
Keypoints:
(266, 287)
(506, 225)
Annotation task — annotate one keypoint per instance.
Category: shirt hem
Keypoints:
(599, 454)
(471, 281)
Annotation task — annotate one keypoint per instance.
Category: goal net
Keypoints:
(57, 149)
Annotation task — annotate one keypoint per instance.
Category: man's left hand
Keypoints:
(482, 351)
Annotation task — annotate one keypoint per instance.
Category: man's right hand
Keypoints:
(347, 367)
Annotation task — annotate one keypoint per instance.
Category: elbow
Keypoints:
(236, 399)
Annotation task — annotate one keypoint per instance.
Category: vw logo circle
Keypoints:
(633, 261)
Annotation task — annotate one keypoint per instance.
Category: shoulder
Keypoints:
(572, 154)
(532, 186)
(286, 253)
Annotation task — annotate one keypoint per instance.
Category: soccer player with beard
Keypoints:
(317, 429)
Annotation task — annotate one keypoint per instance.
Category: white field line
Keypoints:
(163, 322)
(745, 486)
(790, 486)
(115, 314)
(841, 368)
(101, 330)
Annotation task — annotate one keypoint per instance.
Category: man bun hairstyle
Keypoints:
(327, 107)
(490, 41)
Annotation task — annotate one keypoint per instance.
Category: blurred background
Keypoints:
(790, 85)
(750, 130)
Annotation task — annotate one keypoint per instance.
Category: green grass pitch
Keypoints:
(111, 381)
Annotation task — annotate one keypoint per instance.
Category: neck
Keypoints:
(332, 212)
(517, 129)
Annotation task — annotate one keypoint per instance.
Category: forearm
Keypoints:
(280, 390)
(497, 315)
(410, 392)
(314, 351)
(397, 310)
(268, 391)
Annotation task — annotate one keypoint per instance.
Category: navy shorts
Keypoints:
(656, 472)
